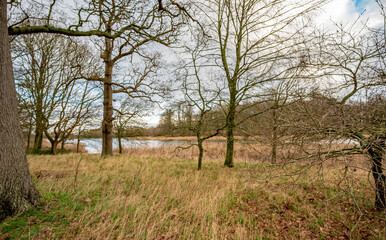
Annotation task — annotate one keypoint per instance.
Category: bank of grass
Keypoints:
(122, 197)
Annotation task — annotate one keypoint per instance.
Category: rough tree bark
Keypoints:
(201, 153)
(39, 127)
(107, 124)
(29, 133)
(376, 154)
(119, 136)
(274, 134)
(17, 190)
(231, 125)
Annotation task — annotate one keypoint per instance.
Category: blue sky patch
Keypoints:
(360, 5)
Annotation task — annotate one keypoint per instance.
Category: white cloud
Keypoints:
(345, 11)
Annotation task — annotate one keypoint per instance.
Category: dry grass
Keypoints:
(214, 151)
(181, 138)
(150, 196)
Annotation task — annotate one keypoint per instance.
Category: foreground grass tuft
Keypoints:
(121, 197)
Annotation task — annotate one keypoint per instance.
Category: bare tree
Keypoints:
(202, 93)
(127, 27)
(17, 191)
(131, 34)
(184, 113)
(352, 105)
(74, 108)
(166, 123)
(128, 116)
(47, 68)
(36, 62)
(26, 117)
(279, 99)
(354, 61)
(251, 38)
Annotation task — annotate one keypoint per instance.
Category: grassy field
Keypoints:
(145, 196)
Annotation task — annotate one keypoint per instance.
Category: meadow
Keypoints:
(159, 194)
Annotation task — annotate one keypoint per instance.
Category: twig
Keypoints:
(77, 171)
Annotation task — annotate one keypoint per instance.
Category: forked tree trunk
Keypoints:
(17, 190)
(107, 123)
(54, 147)
(379, 177)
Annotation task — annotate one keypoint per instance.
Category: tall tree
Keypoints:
(133, 25)
(17, 190)
(74, 108)
(201, 92)
(350, 60)
(129, 118)
(251, 38)
(203, 100)
(46, 71)
(166, 123)
(354, 61)
(127, 27)
(26, 115)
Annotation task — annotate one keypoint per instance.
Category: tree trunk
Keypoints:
(231, 129)
(200, 154)
(29, 133)
(107, 123)
(379, 177)
(78, 143)
(119, 135)
(274, 136)
(39, 127)
(54, 146)
(38, 133)
(17, 190)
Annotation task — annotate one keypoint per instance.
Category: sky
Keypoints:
(344, 11)
(360, 5)
(349, 10)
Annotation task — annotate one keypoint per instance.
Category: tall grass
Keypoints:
(156, 194)
(214, 151)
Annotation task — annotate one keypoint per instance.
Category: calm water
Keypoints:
(94, 145)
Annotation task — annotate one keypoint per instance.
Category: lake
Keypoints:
(94, 145)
